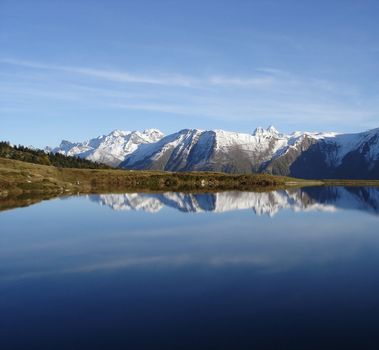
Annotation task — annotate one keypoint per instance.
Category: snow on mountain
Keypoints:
(110, 149)
(342, 144)
(300, 154)
(193, 149)
(218, 150)
(265, 203)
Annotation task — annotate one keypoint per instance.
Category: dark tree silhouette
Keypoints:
(38, 156)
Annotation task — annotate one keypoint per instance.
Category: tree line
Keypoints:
(38, 156)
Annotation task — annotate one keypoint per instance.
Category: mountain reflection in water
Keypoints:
(328, 199)
(77, 275)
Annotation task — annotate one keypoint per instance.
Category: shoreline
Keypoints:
(21, 178)
(17, 177)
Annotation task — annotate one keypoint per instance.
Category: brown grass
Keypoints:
(20, 177)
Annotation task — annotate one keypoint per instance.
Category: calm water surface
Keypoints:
(294, 269)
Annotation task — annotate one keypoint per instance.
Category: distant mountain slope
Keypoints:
(216, 150)
(300, 154)
(349, 156)
(109, 149)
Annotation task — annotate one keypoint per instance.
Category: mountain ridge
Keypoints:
(310, 155)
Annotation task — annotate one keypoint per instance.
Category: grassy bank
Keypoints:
(18, 177)
(351, 182)
(23, 184)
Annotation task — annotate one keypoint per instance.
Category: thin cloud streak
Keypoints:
(275, 95)
(267, 78)
(258, 82)
(166, 79)
(244, 112)
(111, 75)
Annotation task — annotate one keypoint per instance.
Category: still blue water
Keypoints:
(295, 269)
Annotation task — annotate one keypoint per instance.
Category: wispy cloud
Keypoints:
(258, 82)
(111, 75)
(162, 79)
(265, 78)
(271, 95)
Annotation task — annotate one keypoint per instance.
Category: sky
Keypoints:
(76, 69)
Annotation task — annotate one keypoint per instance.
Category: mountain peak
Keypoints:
(118, 133)
(271, 130)
(266, 150)
(66, 144)
(153, 131)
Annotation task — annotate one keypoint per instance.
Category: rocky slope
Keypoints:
(109, 149)
(300, 154)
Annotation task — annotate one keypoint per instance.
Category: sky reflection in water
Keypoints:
(146, 275)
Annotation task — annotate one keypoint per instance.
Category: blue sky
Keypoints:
(75, 69)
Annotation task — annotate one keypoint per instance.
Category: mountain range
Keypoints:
(327, 199)
(309, 155)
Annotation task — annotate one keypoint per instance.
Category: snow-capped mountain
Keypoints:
(349, 156)
(109, 149)
(300, 154)
(328, 199)
(217, 150)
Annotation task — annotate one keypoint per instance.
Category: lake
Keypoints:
(289, 269)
